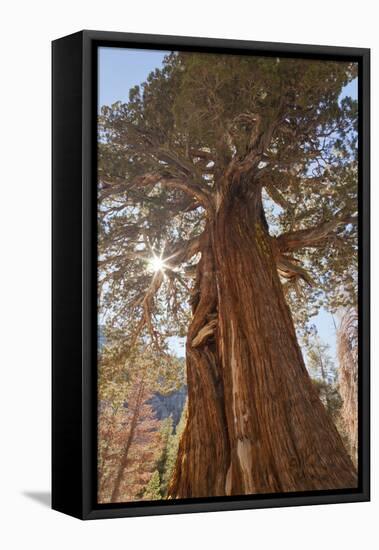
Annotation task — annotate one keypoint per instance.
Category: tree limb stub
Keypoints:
(204, 333)
(185, 251)
(289, 270)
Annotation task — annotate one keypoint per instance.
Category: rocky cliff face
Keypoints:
(163, 405)
(169, 404)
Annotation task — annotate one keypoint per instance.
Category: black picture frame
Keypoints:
(74, 310)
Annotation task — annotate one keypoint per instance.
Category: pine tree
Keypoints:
(132, 445)
(171, 452)
(166, 460)
(153, 488)
(128, 430)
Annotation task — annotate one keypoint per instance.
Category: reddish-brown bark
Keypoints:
(347, 346)
(203, 455)
(255, 422)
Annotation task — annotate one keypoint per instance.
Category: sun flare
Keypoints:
(156, 264)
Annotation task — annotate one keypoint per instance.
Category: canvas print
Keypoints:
(227, 275)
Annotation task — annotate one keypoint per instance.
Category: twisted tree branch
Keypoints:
(314, 236)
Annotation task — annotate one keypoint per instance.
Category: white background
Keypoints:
(26, 31)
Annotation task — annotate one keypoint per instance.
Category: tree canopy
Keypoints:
(164, 157)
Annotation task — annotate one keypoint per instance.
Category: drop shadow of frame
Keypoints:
(41, 497)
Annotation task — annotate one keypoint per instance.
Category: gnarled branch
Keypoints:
(200, 193)
(314, 236)
(147, 303)
(288, 269)
(178, 255)
(207, 331)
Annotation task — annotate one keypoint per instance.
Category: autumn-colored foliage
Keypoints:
(130, 443)
(131, 439)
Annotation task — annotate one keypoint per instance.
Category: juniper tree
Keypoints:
(227, 195)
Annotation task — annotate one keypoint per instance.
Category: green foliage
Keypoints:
(164, 465)
(152, 491)
(170, 443)
(331, 398)
(323, 371)
(318, 360)
(128, 444)
(129, 433)
(120, 367)
(189, 120)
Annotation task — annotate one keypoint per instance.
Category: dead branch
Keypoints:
(204, 333)
(289, 270)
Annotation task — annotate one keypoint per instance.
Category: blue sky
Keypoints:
(351, 89)
(119, 70)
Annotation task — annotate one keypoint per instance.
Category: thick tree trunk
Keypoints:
(203, 457)
(278, 436)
